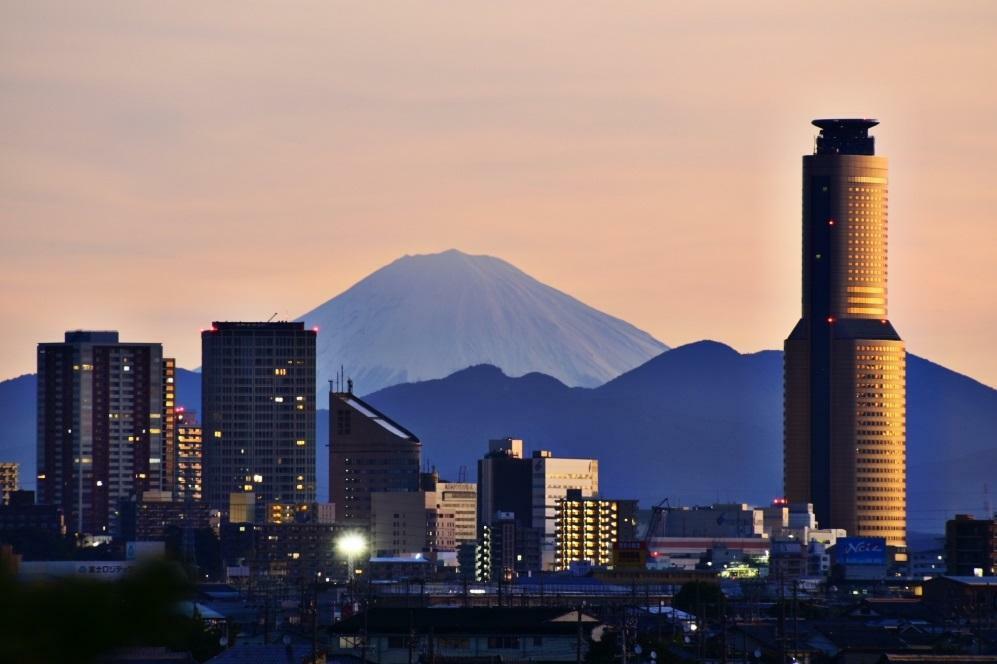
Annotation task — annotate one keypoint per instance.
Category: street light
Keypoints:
(351, 545)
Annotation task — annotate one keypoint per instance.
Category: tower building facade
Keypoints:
(845, 365)
(258, 410)
(368, 453)
(101, 408)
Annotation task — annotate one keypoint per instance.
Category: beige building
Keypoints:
(845, 365)
(460, 499)
(409, 522)
(552, 479)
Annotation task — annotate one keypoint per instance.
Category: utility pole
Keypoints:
(578, 636)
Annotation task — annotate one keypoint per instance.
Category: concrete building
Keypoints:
(9, 480)
(552, 479)
(410, 522)
(189, 456)
(298, 552)
(586, 529)
(368, 453)
(971, 546)
(507, 634)
(505, 482)
(149, 517)
(507, 549)
(101, 407)
(460, 499)
(719, 521)
(258, 410)
(845, 365)
(22, 514)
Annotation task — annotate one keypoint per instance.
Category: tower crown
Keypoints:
(846, 136)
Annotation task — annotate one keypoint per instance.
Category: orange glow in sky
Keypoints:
(165, 167)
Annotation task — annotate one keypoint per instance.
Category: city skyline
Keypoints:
(600, 139)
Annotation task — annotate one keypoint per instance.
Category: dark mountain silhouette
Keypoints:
(695, 424)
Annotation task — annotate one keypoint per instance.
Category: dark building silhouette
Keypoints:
(505, 483)
(845, 365)
(258, 413)
(101, 441)
(22, 514)
(971, 546)
(368, 453)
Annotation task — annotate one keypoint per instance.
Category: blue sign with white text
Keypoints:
(860, 551)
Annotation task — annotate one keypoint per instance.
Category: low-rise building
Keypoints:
(971, 546)
(403, 635)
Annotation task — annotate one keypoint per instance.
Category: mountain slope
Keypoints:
(426, 316)
(698, 423)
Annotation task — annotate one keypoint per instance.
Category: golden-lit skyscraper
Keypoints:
(845, 365)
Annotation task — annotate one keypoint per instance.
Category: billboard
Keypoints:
(860, 551)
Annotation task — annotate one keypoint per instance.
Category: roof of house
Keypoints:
(466, 621)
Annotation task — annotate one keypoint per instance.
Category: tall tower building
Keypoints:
(258, 410)
(845, 365)
(100, 426)
(368, 453)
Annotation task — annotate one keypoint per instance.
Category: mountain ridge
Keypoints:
(424, 316)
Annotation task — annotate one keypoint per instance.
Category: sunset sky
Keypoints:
(164, 165)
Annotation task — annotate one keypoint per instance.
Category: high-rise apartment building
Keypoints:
(8, 480)
(189, 438)
(845, 365)
(258, 413)
(101, 405)
(552, 479)
(368, 453)
(587, 528)
(168, 465)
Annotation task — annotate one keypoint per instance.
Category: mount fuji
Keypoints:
(426, 316)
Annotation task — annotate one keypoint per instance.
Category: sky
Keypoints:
(163, 165)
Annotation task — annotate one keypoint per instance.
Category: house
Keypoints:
(509, 634)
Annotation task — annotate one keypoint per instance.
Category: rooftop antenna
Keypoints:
(988, 510)
(330, 385)
(269, 320)
(462, 474)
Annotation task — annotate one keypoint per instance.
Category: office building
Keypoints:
(258, 412)
(552, 479)
(403, 523)
(101, 404)
(8, 480)
(845, 365)
(368, 453)
(971, 546)
(505, 483)
(189, 438)
(586, 529)
(460, 499)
